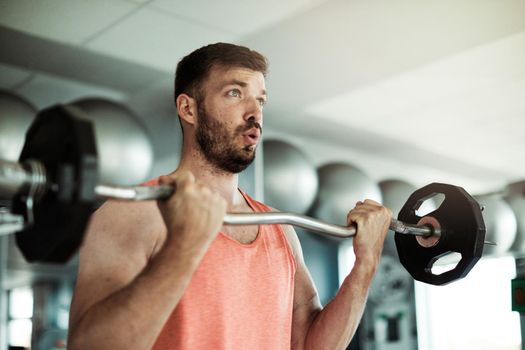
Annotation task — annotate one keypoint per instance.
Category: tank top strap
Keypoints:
(254, 204)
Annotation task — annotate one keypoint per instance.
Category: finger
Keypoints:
(184, 179)
(165, 180)
(364, 208)
(372, 202)
(205, 192)
(354, 221)
(356, 215)
(221, 203)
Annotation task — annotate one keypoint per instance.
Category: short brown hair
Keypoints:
(193, 69)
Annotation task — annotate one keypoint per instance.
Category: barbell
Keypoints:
(54, 187)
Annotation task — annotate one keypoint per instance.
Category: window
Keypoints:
(19, 318)
(472, 313)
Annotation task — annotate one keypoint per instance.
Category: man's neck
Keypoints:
(220, 181)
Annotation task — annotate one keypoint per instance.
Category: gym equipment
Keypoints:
(517, 204)
(500, 221)
(55, 188)
(124, 146)
(514, 195)
(391, 284)
(290, 178)
(394, 193)
(16, 114)
(458, 214)
(341, 185)
(60, 162)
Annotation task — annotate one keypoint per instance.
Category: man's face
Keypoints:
(230, 116)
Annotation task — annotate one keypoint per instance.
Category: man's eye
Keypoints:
(234, 93)
(262, 102)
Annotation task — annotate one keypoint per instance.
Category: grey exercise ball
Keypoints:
(124, 147)
(517, 204)
(16, 114)
(340, 187)
(395, 193)
(290, 177)
(500, 223)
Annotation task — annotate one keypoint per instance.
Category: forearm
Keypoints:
(335, 325)
(132, 317)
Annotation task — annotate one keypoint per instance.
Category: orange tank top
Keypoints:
(240, 297)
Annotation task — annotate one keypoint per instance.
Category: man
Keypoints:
(169, 275)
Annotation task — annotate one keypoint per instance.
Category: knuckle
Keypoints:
(185, 188)
(204, 190)
(186, 177)
(385, 211)
(181, 184)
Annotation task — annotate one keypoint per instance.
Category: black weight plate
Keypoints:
(463, 232)
(65, 144)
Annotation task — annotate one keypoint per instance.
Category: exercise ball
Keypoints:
(290, 178)
(394, 193)
(16, 114)
(340, 187)
(124, 146)
(500, 223)
(515, 197)
(517, 204)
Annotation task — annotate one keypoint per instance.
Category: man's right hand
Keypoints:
(372, 221)
(193, 214)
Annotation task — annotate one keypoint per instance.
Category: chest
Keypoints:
(237, 298)
(243, 234)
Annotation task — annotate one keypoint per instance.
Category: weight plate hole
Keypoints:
(429, 204)
(444, 263)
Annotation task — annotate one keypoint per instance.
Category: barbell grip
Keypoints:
(139, 193)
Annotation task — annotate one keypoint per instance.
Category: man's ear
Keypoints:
(187, 108)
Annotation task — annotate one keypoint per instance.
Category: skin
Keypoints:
(138, 258)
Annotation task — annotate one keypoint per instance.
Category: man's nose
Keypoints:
(254, 111)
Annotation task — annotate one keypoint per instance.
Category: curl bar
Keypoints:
(54, 187)
(16, 178)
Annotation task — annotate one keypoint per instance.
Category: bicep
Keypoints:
(306, 299)
(111, 256)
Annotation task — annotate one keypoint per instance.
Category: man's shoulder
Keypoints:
(129, 210)
(127, 220)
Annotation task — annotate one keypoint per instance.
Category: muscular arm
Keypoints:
(123, 298)
(121, 301)
(334, 326)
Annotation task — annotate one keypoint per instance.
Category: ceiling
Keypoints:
(419, 90)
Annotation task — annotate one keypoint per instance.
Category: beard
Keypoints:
(218, 145)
